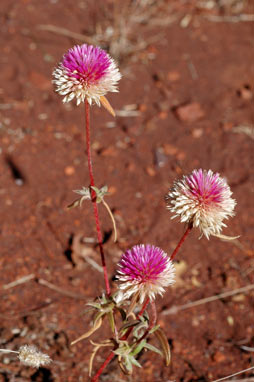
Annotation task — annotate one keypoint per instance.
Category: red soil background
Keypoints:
(185, 102)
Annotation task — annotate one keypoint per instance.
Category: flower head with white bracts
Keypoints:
(29, 355)
(202, 199)
(145, 270)
(86, 72)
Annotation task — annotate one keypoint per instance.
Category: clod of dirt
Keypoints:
(173, 76)
(190, 112)
(245, 93)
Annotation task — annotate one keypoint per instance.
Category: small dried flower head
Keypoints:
(31, 356)
(146, 270)
(202, 199)
(86, 72)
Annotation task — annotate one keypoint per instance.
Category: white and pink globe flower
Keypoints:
(86, 72)
(145, 270)
(202, 199)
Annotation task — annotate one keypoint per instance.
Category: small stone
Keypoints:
(181, 155)
(219, 357)
(245, 93)
(230, 320)
(195, 322)
(142, 107)
(150, 171)
(170, 149)
(191, 112)
(69, 170)
(96, 146)
(112, 190)
(173, 76)
(197, 133)
(163, 115)
(110, 151)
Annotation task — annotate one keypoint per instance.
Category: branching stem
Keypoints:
(123, 338)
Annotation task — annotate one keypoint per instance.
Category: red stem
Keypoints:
(152, 323)
(123, 338)
(93, 195)
(105, 363)
(186, 233)
(126, 335)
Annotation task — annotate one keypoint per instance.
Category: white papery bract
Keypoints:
(202, 199)
(145, 270)
(86, 72)
(29, 355)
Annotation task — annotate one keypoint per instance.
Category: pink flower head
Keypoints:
(86, 72)
(146, 270)
(202, 199)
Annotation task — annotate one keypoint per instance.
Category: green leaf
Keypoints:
(154, 329)
(95, 305)
(135, 362)
(138, 348)
(130, 324)
(128, 365)
(153, 348)
(100, 193)
(141, 326)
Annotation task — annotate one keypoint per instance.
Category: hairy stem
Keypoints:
(93, 195)
(186, 233)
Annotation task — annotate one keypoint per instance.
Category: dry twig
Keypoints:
(230, 19)
(20, 281)
(232, 375)
(176, 309)
(60, 290)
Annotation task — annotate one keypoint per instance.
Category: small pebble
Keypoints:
(191, 112)
(173, 76)
(197, 133)
(230, 320)
(69, 170)
(150, 171)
